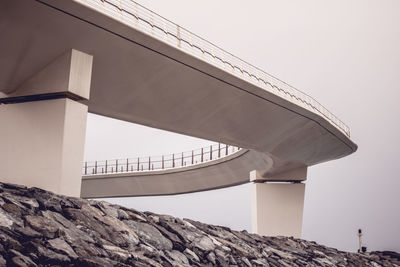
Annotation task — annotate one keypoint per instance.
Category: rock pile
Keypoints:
(39, 228)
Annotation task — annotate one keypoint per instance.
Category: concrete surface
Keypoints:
(219, 173)
(277, 209)
(70, 72)
(140, 79)
(293, 174)
(42, 142)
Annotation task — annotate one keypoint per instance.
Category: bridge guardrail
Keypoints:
(145, 20)
(163, 162)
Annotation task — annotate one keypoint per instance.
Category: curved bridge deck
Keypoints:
(222, 172)
(212, 167)
(150, 71)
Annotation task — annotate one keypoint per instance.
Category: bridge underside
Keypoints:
(139, 79)
(69, 58)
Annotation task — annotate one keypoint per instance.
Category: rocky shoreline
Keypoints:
(39, 228)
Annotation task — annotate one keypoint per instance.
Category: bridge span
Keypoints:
(212, 167)
(62, 59)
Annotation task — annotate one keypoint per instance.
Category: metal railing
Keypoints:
(143, 19)
(164, 162)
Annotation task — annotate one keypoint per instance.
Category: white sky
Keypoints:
(346, 54)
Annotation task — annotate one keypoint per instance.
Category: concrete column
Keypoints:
(43, 126)
(277, 207)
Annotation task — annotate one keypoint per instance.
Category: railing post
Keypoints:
(182, 160)
(104, 170)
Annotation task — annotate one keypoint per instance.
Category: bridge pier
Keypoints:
(277, 203)
(43, 125)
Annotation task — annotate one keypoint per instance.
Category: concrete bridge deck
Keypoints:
(149, 71)
(61, 59)
(212, 167)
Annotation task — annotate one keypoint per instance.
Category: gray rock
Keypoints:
(117, 252)
(178, 257)
(186, 235)
(50, 256)
(27, 231)
(25, 201)
(285, 264)
(260, 262)
(122, 215)
(211, 258)
(121, 229)
(43, 225)
(191, 255)
(246, 261)
(71, 232)
(5, 219)
(176, 241)
(46, 200)
(108, 209)
(17, 259)
(154, 218)
(204, 243)
(136, 216)
(39, 228)
(221, 256)
(60, 245)
(150, 235)
(232, 260)
(98, 262)
(12, 209)
(2, 261)
(279, 253)
(9, 242)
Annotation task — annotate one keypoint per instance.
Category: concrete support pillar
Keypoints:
(277, 205)
(43, 126)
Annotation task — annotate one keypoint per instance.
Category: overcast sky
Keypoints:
(346, 54)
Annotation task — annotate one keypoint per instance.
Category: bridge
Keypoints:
(211, 167)
(62, 59)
